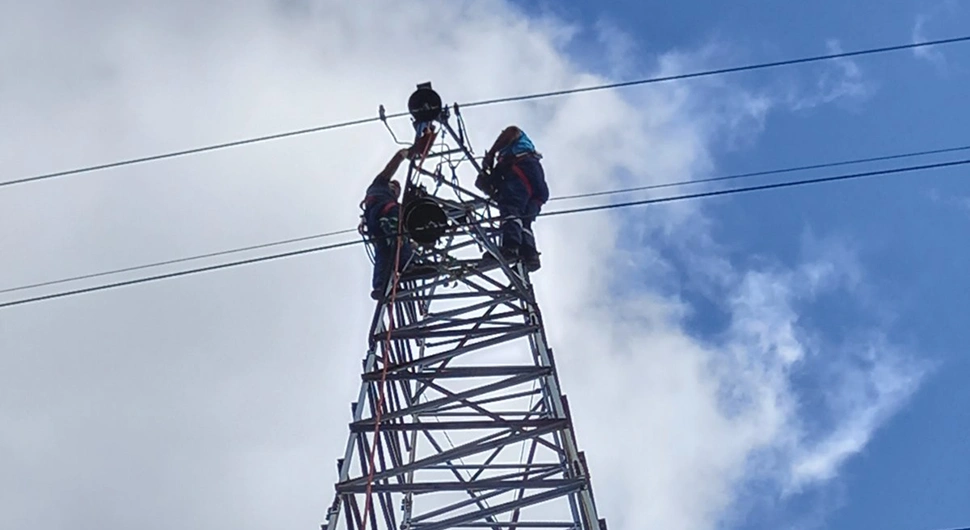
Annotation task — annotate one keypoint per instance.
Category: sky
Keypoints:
(783, 359)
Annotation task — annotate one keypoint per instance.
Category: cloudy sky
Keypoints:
(786, 359)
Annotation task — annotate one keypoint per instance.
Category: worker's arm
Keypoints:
(506, 137)
(391, 168)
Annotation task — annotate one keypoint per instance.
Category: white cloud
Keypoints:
(865, 396)
(619, 48)
(757, 425)
(947, 10)
(958, 201)
(934, 56)
(863, 380)
(221, 400)
(841, 81)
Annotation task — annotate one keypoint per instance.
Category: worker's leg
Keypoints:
(532, 210)
(530, 170)
(384, 258)
(382, 267)
(386, 254)
(528, 251)
(512, 201)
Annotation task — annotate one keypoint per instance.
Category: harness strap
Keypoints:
(370, 199)
(388, 207)
(525, 180)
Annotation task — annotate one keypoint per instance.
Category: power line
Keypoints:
(720, 71)
(761, 187)
(179, 273)
(177, 260)
(760, 173)
(576, 196)
(525, 97)
(193, 151)
(547, 214)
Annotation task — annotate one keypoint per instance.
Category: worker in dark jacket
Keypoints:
(381, 217)
(518, 184)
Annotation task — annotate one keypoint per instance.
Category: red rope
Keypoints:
(386, 351)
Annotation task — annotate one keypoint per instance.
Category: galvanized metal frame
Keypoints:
(474, 430)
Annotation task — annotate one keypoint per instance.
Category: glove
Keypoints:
(483, 182)
(488, 161)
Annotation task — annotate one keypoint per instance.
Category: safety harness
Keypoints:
(369, 200)
(512, 162)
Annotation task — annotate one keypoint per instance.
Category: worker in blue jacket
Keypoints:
(381, 216)
(518, 183)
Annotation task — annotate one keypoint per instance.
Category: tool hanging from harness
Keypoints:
(388, 224)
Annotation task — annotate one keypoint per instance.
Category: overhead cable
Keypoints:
(602, 207)
(176, 274)
(178, 260)
(761, 187)
(559, 198)
(760, 173)
(720, 71)
(524, 97)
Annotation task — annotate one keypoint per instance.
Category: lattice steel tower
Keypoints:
(460, 421)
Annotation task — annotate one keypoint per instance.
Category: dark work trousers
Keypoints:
(385, 250)
(522, 191)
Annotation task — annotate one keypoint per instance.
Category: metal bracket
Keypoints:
(383, 117)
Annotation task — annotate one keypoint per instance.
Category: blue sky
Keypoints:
(905, 230)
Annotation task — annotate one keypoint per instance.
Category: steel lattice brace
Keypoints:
(474, 430)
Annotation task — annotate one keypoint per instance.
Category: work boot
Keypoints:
(531, 262)
(376, 294)
(417, 271)
(530, 258)
(510, 255)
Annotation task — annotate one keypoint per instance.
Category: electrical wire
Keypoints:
(558, 198)
(720, 71)
(524, 97)
(760, 173)
(193, 151)
(177, 260)
(761, 187)
(181, 273)
(601, 207)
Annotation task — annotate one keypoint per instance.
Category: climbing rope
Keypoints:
(386, 350)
